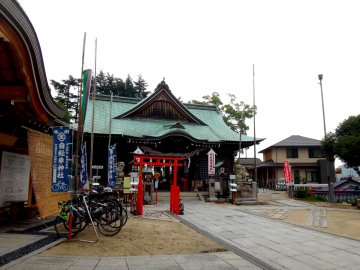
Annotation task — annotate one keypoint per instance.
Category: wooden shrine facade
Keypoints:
(161, 125)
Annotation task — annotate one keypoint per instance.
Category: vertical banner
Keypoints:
(287, 171)
(112, 166)
(83, 165)
(86, 93)
(60, 164)
(211, 162)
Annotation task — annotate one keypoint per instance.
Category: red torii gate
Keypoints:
(160, 161)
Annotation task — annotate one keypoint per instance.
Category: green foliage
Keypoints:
(140, 87)
(68, 95)
(344, 143)
(107, 84)
(66, 118)
(129, 87)
(300, 193)
(317, 197)
(233, 113)
(352, 201)
(68, 91)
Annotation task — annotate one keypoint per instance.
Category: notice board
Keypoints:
(14, 177)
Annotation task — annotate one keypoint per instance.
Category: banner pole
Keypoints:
(92, 121)
(79, 135)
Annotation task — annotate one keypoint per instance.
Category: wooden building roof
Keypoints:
(25, 96)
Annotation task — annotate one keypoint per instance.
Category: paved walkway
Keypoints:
(274, 243)
(255, 242)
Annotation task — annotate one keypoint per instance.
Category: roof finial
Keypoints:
(162, 85)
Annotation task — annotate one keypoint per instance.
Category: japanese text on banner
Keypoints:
(60, 161)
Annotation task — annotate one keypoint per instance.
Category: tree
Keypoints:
(68, 95)
(129, 87)
(140, 87)
(344, 143)
(68, 90)
(234, 113)
(107, 84)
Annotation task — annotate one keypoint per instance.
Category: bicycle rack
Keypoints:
(92, 223)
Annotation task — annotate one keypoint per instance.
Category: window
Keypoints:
(315, 153)
(292, 153)
(312, 176)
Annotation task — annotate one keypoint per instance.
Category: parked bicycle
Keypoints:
(102, 209)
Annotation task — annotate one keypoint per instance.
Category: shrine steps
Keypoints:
(185, 196)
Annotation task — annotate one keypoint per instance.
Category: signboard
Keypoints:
(14, 177)
(134, 182)
(287, 171)
(60, 164)
(83, 163)
(126, 184)
(211, 162)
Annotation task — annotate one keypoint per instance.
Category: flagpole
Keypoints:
(79, 135)
(93, 116)
(255, 165)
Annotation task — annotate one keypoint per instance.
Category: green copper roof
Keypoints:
(214, 130)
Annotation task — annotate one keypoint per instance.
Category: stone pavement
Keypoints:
(272, 242)
(255, 240)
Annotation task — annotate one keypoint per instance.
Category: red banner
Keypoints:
(287, 171)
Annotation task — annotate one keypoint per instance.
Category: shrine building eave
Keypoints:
(149, 129)
(23, 81)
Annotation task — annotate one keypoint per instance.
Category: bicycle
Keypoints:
(62, 220)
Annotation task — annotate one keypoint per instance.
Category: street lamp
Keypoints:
(320, 76)
(330, 187)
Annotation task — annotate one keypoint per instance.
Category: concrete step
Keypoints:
(185, 196)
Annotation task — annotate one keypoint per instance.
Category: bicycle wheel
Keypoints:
(60, 227)
(78, 223)
(113, 225)
(124, 215)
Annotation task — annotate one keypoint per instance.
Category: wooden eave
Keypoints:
(22, 73)
(165, 95)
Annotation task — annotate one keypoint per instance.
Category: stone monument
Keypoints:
(243, 188)
(120, 175)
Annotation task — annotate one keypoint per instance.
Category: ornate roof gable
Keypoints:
(162, 104)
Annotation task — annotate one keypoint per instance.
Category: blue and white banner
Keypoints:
(83, 165)
(112, 166)
(61, 156)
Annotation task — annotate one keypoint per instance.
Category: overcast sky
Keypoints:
(206, 46)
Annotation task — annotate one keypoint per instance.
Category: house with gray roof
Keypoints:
(307, 163)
